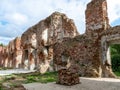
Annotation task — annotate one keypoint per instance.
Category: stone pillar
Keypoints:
(18, 52)
(32, 51)
(96, 15)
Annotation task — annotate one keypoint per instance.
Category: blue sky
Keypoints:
(18, 15)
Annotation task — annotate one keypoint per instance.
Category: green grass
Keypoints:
(1, 86)
(34, 77)
(16, 80)
(5, 68)
(42, 78)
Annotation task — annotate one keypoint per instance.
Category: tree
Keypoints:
(115, 57)
(1, 44)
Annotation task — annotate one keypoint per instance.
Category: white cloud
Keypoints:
(20, 15)
(5, 40)
(16, 18)
(113, 10)
(19, 18)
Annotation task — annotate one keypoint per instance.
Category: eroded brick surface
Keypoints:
(38, 41)
(96, 15)
(11, 55)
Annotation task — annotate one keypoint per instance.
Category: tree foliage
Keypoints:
(115, 57)
(1, 44)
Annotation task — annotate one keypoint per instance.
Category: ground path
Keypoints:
(86, 84)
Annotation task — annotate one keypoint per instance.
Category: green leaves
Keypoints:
(115, 57)
(115, 49)
(116, 62)
(1, 44)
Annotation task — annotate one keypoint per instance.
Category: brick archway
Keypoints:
(106, 41)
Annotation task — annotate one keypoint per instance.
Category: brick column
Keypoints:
(96, 15)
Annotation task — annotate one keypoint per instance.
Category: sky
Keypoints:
(16, 16)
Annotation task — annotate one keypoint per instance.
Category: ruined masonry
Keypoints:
(38, 41)
(54, 44)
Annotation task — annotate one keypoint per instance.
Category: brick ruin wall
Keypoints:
(1, 50)
(11, 55)
(38, 41)
(55, 45)
(82, 51)
(86, 52)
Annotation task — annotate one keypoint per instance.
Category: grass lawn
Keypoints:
(15, 80)
(42, 78)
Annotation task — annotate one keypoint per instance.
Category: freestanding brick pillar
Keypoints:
(68, 76)
(96, 15)
(68, 70)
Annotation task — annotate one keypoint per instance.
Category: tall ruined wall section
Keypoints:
(96, 16)
(4, 57)
(37, 41)
(11, 54)
(14, 53)
(1, 55)
(11, 61)
(29, 46)
(57, 26)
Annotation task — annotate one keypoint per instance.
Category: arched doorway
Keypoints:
(106, 42)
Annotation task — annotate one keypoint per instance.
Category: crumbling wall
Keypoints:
(14, 53)
(29, 48)
(89, 53)
(11, 60)
(47, 32)
(1, 56)
(5, 56)
(54, 29)
(55, 44)
(11, 55)
(83, 51)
